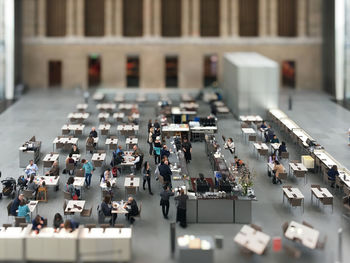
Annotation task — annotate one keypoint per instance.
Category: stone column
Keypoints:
(302, 17)
(195, 18)
(262, 18)
(147, 11)
(157, 18)
(273, 21)
(70, 17)
(224, 18)
(185, 19)
(41, 13)
(108, 18)
(234, 18)
(118, 17)
(80, 13)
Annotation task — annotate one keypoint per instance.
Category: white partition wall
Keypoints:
(251, 83)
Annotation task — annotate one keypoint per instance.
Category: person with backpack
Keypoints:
(88, 168)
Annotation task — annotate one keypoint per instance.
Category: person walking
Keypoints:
(157, 147)
(164, 200)
(187, 148)
(146, 171)
(88, 168)
(150, 140)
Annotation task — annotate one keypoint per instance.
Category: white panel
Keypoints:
(9, 17)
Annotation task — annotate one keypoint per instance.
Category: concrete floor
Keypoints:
(43, 112)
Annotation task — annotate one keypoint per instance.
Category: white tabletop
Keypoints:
(111, 233)
(275, 146)
(293, 191)
(103, 115)
(131, 140)
(136, 182)
(32, 205)
(118, 208)
(298, 167)
(75, 157)
(73, 127)
(307, 235)
(111, 141)
(344, 176)
(289, 124)
(51, 158)
(118, 115)
(260, 146)
(105, 126)
(128, 106)
(98, 96)
(321, 192)
(13, 232)
(71, 204)
(278, 113)
(325, 158)
(176, 127)
(106, 106)
(79, 181)
(49, 180)
(98, 157)
(189, 105)
(78, 115)
(128, 127)
(113, 182)
(82, 106)
(248, 131)
(255, 241)
(251, 118)
(66, 140)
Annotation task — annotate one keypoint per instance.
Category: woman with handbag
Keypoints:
(71, 189)
(157, 147)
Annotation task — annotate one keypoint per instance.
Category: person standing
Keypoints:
(150, 140)
(150, 125)
(181, 208)
(157, 147)
(164, 200)
(187, 148)
(88, 168)
(146, 171)
(165, 172)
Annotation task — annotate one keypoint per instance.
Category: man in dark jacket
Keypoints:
(165, 172)
(164, 152)
(132, 208)
(164, 201)
(15, 205)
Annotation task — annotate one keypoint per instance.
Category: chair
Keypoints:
(295, 202)
(104, 225)
(101, 217)
(64, 210)
(9, 209)
(321, 244)
(256, 227)
(285, 227)
(339, 183)
(67, 195)
(86, 212)
(28, 194)
(307, 224)
(346, 204)
(292, 252)
(282, 176)
(70, 167)
(6, 226)
(104, 194)
(19, 219)
(101, 151)
(139, 214)
(89, 226)
(346, 190)
(252, 138)
(80, 173)
(119, 225)
(23, 225)
(90, 148)
(284, 155)
(315, 186)
(42, 194)
(130, 190)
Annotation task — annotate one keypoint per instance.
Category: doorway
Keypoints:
(94, 70)
(288, 74)
(171, 71)
(55, 73)
(210, 70)
(133, 71)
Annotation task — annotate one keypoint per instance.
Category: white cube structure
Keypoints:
(251, 83)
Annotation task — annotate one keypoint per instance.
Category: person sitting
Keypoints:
(70, 225)
(136, 150)
(119, 150)
(106, 207)
(23, 211)
(273, 158)
(57, 222)
(32, 185)
(263, 126)
(93, 132)
(136, 162)
(164, 152)
(332, 174)
(55, 170)
(107, 175)
(269, 133)
(202, 184)
(282, 148)
(118, 159)
(31, 168)
(132, 208)
(75, 149)
(71, 189)
(224, 184)
(238, 162)
(275, 139)
(230, 145)
(90, 142)
(70, 160)
(37, 223)
(277, 169)
(15, 204)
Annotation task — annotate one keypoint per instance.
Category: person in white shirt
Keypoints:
(31, 168)
(135, 162)
(230, 145)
